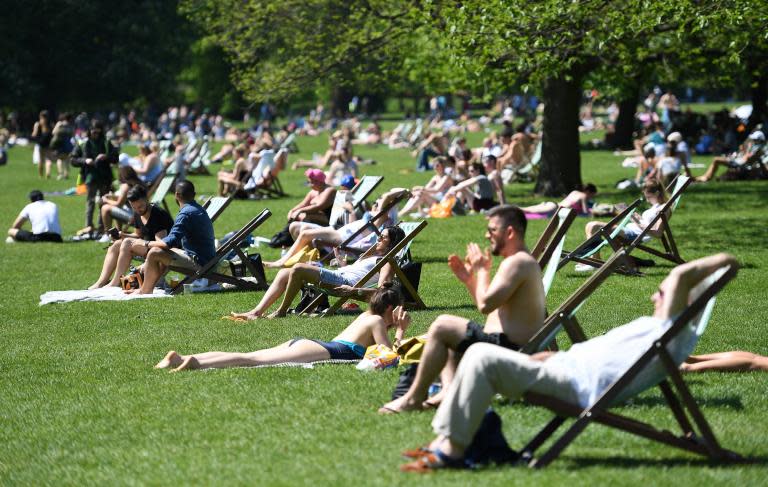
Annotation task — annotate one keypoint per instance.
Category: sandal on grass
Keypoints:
(416, 453)
(434, 460)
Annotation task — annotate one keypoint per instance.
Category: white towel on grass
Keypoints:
(101, 294)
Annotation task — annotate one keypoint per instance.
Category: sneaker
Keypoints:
(10, 240)
(584, 268)
(105, 239)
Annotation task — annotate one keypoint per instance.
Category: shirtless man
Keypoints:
(513, 301)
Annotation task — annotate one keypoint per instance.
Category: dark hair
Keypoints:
(507, 132)
(589, 188)
(396, 234)
(491, 158)
(186, 190)
(440, 160)
(510, 216)
(478, 167)
(97, 124)
(35, 195)
(126, 174)
(649, 153)
(136, 193)
(386, 295)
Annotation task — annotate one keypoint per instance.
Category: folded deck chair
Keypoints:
(396, 257)
(670, 252)
(210, 270)
(216, 205)
(658, 366)
(608, 236)
(161, 191)
(359, 194)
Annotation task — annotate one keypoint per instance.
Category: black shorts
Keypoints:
(483, 204)
(475, 334)
(27, 236)
(337, 350)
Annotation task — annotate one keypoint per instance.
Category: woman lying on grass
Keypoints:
(385, 312)
(736, 361)
(289, 282)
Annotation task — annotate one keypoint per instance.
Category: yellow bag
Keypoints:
(410, 350)
(306, 254)
(443, 208)
(378, 357)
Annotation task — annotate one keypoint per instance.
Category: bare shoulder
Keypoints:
(521, 261)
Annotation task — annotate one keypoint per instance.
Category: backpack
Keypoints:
(489, 445)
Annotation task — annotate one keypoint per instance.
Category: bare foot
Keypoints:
(248, 316)
(434, 401)
(93, 286)
(400, 405)
(188, 363)
(172, 359)
(273, 265)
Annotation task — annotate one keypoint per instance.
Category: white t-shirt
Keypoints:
(669, 165)
(597, 363)
(645, 219)
(266, 162)
(44, 217)
(356, 271)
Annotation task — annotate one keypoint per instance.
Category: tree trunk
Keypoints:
(560, 168)
(340, 98)
(625, 123)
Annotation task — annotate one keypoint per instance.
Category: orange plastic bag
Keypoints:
(443, 208)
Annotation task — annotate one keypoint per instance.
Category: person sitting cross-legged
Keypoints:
(513, 302)
(189, 244)
(367, 329)
(579, 375)
(288, 282)
(151, 223)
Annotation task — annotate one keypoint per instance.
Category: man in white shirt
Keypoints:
(44, 217)
(579, 375)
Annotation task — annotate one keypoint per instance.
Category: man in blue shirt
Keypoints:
(189, 244)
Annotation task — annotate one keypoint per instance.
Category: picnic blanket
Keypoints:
(101, 294)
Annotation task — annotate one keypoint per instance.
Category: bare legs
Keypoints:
(287, 283)
(154, 268)
(546, 207)
(305, 237)
(299, 351)
(737, 361)
(444, 335)
(717, 162)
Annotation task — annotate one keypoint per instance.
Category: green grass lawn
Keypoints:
(81, 403)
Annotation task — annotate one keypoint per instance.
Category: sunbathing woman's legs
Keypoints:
(546, 207)
(291, 351)
(287, 283)
(305, 237)
(737, 361)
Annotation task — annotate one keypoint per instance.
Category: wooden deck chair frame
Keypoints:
(699, 439)
(564, 317)
(670, 252)
(390, 257)
(608, 235)
(164, 186)
(208, 271)
(549, 247)
(273, 188)
(360, 192)
(216, 205)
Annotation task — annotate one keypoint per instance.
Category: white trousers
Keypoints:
(485, 370)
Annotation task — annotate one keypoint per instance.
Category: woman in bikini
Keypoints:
(578, 199)
(370, 328)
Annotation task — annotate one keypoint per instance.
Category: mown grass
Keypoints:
(81, 403)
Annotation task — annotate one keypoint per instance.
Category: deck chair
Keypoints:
(163, 188)
(528, 171)
(272, 187)
(359, 194)
(210, 270)
(608, 236)
(658, 366)
(289, 143)
(347, 245)
(216, 205)
(549, 247)
(393, 257)
(670, 251)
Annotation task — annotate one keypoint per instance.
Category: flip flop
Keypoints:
(416, 453)
(233, 318)
(430, 462)
(386, 410)
(429, 405)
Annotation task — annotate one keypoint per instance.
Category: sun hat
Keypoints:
(675, 137)
(348, 181)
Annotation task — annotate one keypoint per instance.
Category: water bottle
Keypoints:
(434, 388)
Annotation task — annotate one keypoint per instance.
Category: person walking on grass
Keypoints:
(370, 328)
(513, 302)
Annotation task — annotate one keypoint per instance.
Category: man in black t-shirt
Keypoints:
(151, 223)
